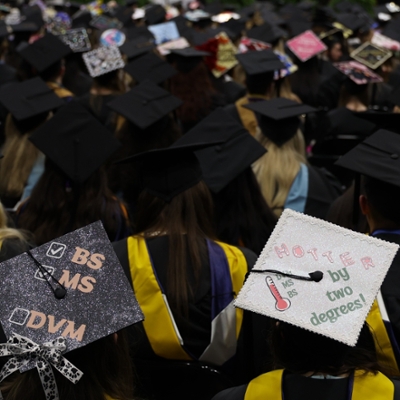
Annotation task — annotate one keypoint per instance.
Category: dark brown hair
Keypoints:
(300, 351)
(187, 220)
(196, 91)
(58, 206)
(106, 367)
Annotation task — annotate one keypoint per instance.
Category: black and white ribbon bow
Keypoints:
(43, 356)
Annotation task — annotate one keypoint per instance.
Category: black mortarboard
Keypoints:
(392, 28)
(75, 141)
(266, 32)
(29, 98)
(81, 19)
(259, 62)
(342, 121)
(351, 21)
(33, 14)
(167, 172)
(186, 59)
(377, 157)
(6, 30)
(136, 47)
(223, 162)
(45, 52)
(383, 120)
(145, 104)
(155, 14)
(150, 67)
(135, 32)
(278, 118)
(100, 305)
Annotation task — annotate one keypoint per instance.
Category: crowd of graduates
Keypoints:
(187, 128)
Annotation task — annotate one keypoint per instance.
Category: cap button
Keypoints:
(394, 156)
(144, 102)
(218, 149)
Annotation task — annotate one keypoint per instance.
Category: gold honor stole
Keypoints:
(159, 324)
(365, 386)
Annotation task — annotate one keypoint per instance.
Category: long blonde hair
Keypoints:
(276, 170)
(5, 231)
(19, 157)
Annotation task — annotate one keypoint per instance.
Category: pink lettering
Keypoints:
(346, 259)
(313, 252)
(298, 251)
(328, 255)
(280, 251)
(367, 262)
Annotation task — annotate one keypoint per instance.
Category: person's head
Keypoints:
(261, 84)
(276, 170)
(379, 203)
(241, 213)
(106, 367)
(112, 81)
(53, 73)
(301, 351)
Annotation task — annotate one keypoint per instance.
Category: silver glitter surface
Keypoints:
(354, 266)
(83, 316)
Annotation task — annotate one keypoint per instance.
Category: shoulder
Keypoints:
(235, 393)
(248, 254)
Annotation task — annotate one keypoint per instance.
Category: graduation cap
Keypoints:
(357, 72)
(186, 59)
(75, 141)
(137, 47)
(351, 21)
(167, 172)
(285, 255)
(259, 62)
(306, 45)
(164, 32)
(384, 120)
(81, 19)
(370, 55)
(378, 157)
(77, 40)
(150, 67)
(28, 99)
(8, 29)
(145, 104)
(278, 118)
(33, 14)
(223, 162)
(266, 32)
(45, 314)
(155, 14)
(45, 52)
(103, 60)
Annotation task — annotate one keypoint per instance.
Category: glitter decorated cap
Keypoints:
(317, 276)
(259, 62)
(377, 157)
(75, 141)
(223, 162)
(98, 299)
(103, 60)
(145, 104)
(29, 99)
(150, 67)
(45, 52)
(278, 118)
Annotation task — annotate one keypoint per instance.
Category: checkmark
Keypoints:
(56, 250)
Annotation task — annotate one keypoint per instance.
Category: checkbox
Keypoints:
(19, 316)
(39, 274)
(56, 250)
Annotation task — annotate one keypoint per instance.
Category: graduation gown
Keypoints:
(298, 387)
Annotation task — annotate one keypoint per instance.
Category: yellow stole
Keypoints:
(159, 323)
(366, 386)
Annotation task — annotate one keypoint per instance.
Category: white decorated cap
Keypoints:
(103, 60)
(301, 247)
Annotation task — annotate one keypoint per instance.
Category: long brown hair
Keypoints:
(106, 367)
(19, 157)
(196, 91)
(187, 220)
(57, 206)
